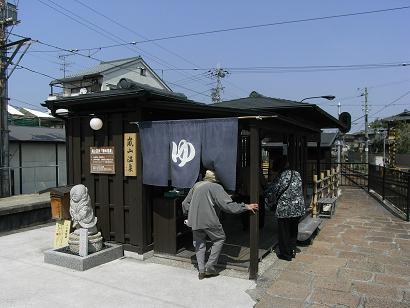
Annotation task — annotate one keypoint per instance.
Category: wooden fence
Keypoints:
(327, 186)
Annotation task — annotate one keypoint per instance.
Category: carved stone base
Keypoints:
(95, 242)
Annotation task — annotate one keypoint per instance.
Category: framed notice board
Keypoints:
(102, 160)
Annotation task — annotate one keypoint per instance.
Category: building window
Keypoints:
(143, 71)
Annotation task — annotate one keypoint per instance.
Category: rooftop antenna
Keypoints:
(64, 63)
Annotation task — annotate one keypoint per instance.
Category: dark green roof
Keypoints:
(302, 112)
(259, 101)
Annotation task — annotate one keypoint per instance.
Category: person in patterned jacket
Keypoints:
(286, 193)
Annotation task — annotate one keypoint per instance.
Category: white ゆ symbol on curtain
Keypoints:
(185, 151)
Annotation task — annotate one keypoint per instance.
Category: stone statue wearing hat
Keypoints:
(82, 215)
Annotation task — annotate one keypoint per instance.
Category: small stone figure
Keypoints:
(82, 215)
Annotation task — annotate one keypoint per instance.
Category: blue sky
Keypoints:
(364, 39)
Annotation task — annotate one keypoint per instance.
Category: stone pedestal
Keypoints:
(63, 258)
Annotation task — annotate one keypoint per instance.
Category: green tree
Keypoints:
(403, 137)
(376, 143)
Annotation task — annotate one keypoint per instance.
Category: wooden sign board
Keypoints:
(62, 233)
(102, 160)
(130, 154)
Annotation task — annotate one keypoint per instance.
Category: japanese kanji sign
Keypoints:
(130, 154)
(102, 160)
(62, 233)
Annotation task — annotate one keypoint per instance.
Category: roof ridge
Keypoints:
(120, 60)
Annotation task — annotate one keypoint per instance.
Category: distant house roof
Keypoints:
(403, 116)
(105, 66)
(13, 111)
(38, 114)
(327, 139)
(36, 134)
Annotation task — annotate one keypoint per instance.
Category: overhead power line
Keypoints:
(258, 69)
(241, 28)
(26, 103)
(104, 32)
(385, 106)
(392, 103)
(86, 56)
(274, 24)
(133, 31)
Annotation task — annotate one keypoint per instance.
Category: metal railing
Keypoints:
(391, 185)
(354, 174)
(32, 179)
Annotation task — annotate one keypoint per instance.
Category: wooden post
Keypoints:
(254, 198)
(339, 179)
(322, 184)
(314, 197)
(329, 183)
(318, 153)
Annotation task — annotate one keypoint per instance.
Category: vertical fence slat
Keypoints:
(408, 198)
(383, 183)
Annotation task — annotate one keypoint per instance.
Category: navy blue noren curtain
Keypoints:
(185, 148)
(173, 150)
(219, 149)
(155, 152)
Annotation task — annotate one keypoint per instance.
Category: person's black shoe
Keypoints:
(211, 272)
(201, 276)
(286, 258)
(294, 252)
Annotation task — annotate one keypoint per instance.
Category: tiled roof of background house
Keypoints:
(98, 69)
(404, 116)
(43, 134)
(13, 111)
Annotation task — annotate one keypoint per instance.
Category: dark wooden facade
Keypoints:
(123, 205)
(120, 202)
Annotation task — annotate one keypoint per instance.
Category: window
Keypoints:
(143, 71)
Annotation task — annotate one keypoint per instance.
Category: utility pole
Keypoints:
(216, 92)
(8, 17)
(366, 126)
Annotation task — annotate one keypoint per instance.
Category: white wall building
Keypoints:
(37, 158)
(106, 75)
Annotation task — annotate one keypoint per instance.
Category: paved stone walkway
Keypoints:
(360, 258)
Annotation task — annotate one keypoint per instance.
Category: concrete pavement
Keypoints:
(360, 258)
(26, 281)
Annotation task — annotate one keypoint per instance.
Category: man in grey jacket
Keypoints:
(203, 203)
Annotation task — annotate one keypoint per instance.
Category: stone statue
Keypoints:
(82, 215)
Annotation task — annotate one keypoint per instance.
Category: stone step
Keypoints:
(307, 226)
(21, 211)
